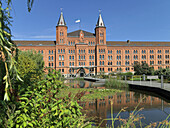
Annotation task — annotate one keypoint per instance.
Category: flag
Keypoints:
(77, 21)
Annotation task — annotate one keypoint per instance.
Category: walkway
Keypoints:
(155, 84)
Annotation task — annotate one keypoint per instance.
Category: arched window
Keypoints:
(49, 58)
(49, 52)
(52, 58)
(103, 63)
(92, 57)
(89, 57)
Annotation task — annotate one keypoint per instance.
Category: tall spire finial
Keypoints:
(100, 11)
(100, 22)
(61, 9)
(61, 21)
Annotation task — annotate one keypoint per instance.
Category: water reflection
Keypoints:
(155, 109)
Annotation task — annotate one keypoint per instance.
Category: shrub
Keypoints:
(40, 107)
(114, 83)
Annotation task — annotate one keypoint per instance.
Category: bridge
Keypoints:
(161, 88)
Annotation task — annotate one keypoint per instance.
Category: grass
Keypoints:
(114, 83)
(91, 93)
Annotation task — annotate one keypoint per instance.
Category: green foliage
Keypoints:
(165, 72)
(102, 75)
(114, 83)
(8, 52)
(40, 107)
(143, 68)
(30, 65)
(91, 93)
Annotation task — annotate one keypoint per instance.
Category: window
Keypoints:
(100, 57)
(72, 57)
(69, 57)
(92, 57)
(90, 63)
(89, 51)
(89, 57)
(103, 63)
(49, 58)
(52, 58)
(69, 51)
(58, 50)
(62, 63)
(52, 52)
(59, 57)
(62, 57)
(49, 64)
(49, 52)
(72, 63)
(42, 51)
(63, 50)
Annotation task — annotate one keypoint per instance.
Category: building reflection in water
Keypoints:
(101, 108)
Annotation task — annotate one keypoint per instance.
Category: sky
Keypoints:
(135, 20)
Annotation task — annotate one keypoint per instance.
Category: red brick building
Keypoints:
(85, 53)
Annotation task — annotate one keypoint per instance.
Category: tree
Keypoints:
(8, 50)
(30, 66)
(143, 68)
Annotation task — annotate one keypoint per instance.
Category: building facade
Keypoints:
(82, 53)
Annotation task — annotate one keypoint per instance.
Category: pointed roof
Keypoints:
(61, 21)
(77, 34)
(100, 22)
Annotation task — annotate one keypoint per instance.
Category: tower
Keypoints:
(61, 30)
(100, 31)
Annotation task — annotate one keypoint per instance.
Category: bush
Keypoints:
(114, 83)
(40, 107)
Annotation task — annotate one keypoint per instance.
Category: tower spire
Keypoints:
(100, 22)
(61, 21)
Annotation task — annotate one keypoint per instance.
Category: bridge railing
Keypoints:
(147, 80)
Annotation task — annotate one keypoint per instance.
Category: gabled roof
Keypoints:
(100, 22)
(137, 43)
(61, 21)
(34, 43)
(77, 34)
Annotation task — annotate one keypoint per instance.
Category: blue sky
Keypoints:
(139, 20)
